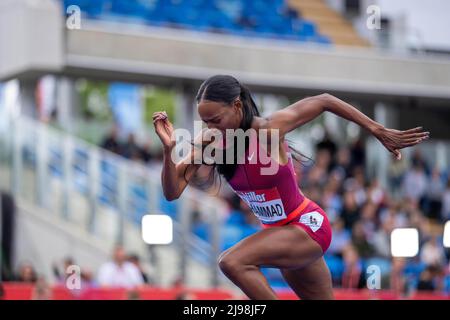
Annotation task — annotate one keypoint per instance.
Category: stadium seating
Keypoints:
(329, 22)
(255, 18)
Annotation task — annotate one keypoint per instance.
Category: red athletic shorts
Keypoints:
(311, 218)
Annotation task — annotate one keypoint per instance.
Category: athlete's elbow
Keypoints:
(170, 193)
(171, 196)
(325, 96)
(325, 101)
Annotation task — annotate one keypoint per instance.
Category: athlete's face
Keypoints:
(221, 116)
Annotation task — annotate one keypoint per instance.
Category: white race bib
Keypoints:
(266, 204)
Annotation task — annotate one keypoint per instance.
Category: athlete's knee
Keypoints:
(228, 264)
(232, 265)
(222, 255)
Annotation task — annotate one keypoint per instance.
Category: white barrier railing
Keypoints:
(78, 181)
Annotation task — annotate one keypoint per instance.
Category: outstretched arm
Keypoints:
(308, 109)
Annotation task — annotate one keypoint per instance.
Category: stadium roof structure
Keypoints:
(117, 51)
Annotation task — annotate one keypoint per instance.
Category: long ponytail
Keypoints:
(250, 108)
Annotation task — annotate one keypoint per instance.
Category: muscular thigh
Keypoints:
(312, 282)
(281, 247)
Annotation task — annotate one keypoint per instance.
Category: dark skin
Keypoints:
(288, 248)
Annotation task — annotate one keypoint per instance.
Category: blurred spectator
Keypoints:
(430, 279)
(327, 144)
(397, 170)
(111, 142)
(368, 219)
(417, 158)
(360, 242)
(434, 195)
(353, 269)
(41, 290)
(358, 185)
(381, 239)
(87, 279)
(342, 168)
(319, 172)
(415, 215)
(350, 212)
(415, 182)
(375, 193)
(358, 153)
(398, 281)
(446, 202)
(134, 259)
(183, 293)
(331, 199)
(341, 238)
(426, 281)
(394, 215)
(119, 272)
(146, 154)
(130, 149)
(178, 283)
(61, 275)
(432, 253)
(26, 273)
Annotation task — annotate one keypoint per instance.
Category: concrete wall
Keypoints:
(31, 37)
(145, 52)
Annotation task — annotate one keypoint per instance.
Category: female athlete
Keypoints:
(296, 232)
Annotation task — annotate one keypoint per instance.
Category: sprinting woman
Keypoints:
(296, 232)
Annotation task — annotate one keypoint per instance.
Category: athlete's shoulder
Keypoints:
(260, 123)
(262, 126)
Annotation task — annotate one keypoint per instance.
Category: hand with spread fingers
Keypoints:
(394, 140)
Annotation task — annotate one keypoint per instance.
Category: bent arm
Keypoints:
(172, 185)
(176, 177)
